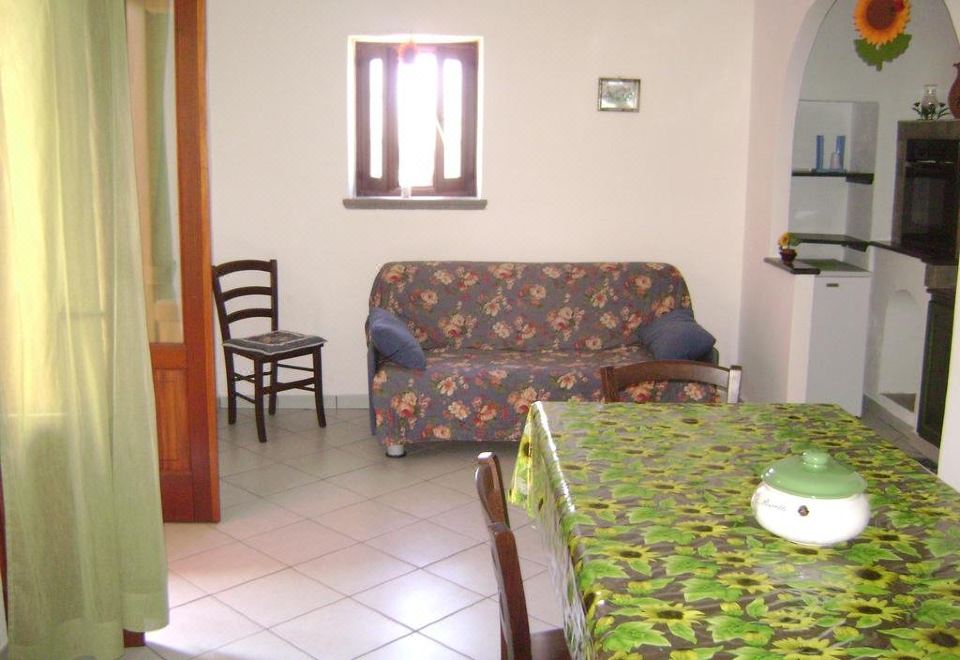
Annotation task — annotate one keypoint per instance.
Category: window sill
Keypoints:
(417, 203)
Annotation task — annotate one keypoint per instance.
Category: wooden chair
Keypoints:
(489, 483)
(516, 641)
(265, 351)
(616, 379)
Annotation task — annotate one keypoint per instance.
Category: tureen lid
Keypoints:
(814, 474)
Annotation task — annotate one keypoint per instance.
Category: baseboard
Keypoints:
(305, 402)
(872, 406)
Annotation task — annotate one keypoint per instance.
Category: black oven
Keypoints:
(928, 184)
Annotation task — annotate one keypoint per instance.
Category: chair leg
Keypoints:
(318, 386)
(258, 399)
(273, 387)
(231, 389)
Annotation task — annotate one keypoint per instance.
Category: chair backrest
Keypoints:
(616, 379)
(514, 625)
(248, 311)
(489, 484)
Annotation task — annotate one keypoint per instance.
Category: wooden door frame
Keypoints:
(194, 496)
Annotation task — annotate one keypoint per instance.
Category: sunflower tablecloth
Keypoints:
(646, 509)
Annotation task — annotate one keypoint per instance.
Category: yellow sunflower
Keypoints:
(939, 639)
(881, 21)
(752, 583)
(870, 575)
(788, 620)
(702, 528)
(869, 608)
(670, 613)
(797, 648)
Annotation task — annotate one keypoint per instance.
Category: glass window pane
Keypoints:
(376, 118)
(452, 117)
(417, 119)
(153, 108)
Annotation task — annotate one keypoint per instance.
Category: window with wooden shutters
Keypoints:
(416, 121)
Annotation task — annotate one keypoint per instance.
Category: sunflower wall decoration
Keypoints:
(881, 23)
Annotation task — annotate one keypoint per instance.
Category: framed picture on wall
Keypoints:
(619, 95)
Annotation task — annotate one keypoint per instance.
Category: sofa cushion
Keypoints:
(676, 336)
(392, 338)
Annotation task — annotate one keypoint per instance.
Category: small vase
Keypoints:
(953, 99)
(929, 102)
(787, 255)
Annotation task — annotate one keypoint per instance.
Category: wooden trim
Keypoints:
(133, 639)
(190, 40)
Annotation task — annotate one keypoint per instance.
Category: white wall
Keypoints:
(783, 35)
(563, 180)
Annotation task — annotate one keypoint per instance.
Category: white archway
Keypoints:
(770, 337)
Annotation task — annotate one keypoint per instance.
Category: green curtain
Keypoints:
(77, 428)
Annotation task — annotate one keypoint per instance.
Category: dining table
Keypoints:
(655, 552)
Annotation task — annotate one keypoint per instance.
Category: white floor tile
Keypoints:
(473, 569)
(418, 598)
(299, 542)
(329, 462)
(542, 600)
(424, 499)
(179, 591)
(184, 539)
(262, 646)
(422, 543)
(466, 519)
(366, 519)
(461, 479)
(256, 517)
(230, 495)
(368, 447)
(225, 567)
(411, 647)
(354, 569)
(199, 626)
(474, 631)
(376, 480)
(270, 479)
(316, 499)
(234, 460)
(278, 597)
(344, 629)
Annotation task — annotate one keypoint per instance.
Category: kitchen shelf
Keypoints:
(851, 177)
(833, 239)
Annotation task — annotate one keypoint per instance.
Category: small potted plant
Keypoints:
(788, 243)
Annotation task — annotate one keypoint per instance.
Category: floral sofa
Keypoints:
(499, 336)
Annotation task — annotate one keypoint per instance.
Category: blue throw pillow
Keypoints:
(393, 340)
(676, 336)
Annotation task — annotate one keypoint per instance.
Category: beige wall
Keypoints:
(563, 180)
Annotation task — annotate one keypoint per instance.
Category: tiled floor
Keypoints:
(328, 549)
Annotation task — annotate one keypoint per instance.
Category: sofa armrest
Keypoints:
(373, 363)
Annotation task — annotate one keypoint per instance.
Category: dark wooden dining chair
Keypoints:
(615, 380)
(265, 350)
(516, 640)
(489, 483)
